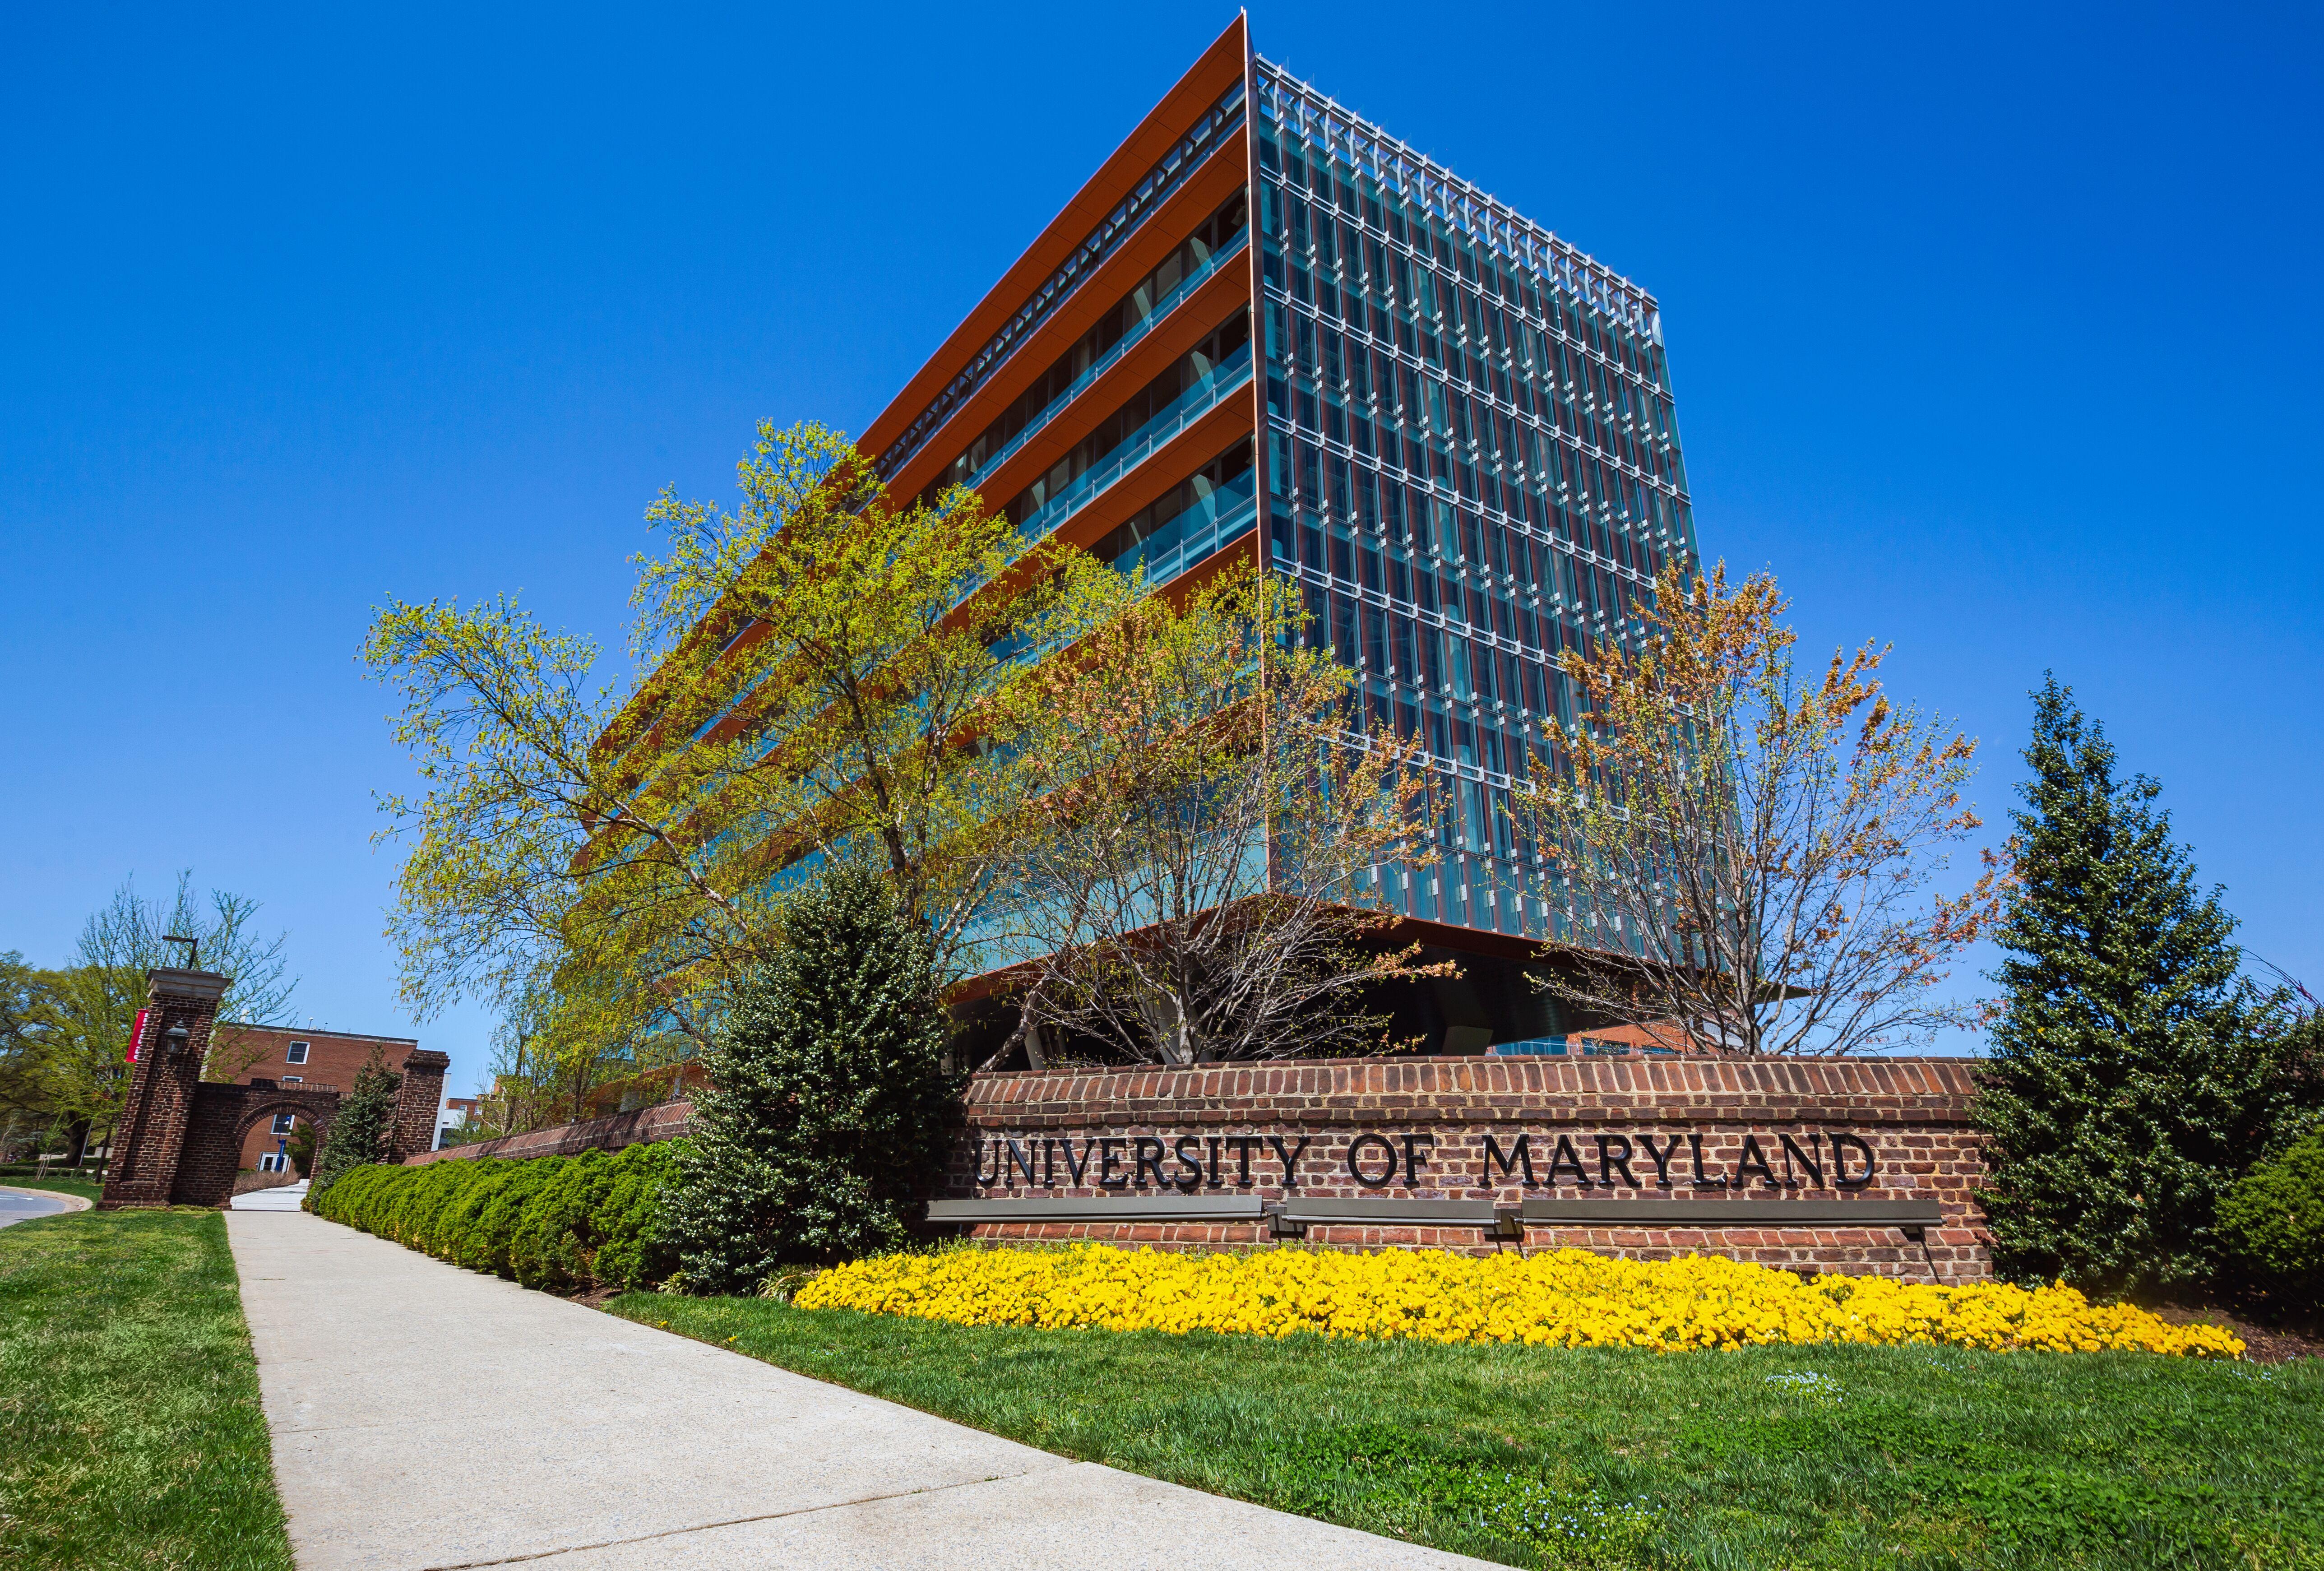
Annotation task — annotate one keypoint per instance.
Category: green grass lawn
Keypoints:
(130, 1429)
(87, 1188)
(1774, 1457)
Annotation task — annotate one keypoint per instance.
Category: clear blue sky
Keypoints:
(1994, 332)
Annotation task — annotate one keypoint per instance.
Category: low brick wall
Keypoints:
(662, 1121)
(1760, 1134)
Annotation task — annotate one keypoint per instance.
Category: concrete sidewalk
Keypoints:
(426, 1417)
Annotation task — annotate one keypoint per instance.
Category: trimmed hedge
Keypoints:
(2272, 1221)
(566, 1224)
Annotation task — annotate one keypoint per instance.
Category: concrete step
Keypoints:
(282, 1197)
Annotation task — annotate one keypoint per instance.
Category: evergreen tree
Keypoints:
(829, 1108)
(2133, 1074)
(360, 1130)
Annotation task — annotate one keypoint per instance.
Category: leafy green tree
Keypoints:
(80, 1068)
(830, 1103)
(63, 1042)
(544, 1071)
(823, 671)
(303, 1149)
(1202, 882)
(65, 1063)
(2135, 1074)
(359, 1132)
(24, 1111)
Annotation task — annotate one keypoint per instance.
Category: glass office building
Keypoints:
(1268, 330)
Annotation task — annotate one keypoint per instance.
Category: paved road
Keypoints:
(429, 1417)
(23, 1205)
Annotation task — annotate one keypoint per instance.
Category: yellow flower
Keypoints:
(1567, 1298)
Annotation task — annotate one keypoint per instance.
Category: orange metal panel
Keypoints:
(1210, 186)
(1259, 457)
(1210, 77)
(1214, 303)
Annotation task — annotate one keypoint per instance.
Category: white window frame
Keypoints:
(285, 1123)
(296, 1053)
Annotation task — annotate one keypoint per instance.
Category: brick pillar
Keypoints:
(151, 1135)
(416, 1103)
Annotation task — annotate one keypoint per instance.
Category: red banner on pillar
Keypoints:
(137, 1033)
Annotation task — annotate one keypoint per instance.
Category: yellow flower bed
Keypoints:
(1570, 1298)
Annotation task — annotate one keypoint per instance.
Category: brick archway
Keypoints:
(316, 1116)
(181, 1137)
(222, 1116)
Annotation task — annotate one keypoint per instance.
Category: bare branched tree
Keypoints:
(122, 941)
(1202, 882)
(1750, 860)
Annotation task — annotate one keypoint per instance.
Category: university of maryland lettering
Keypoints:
(1776, 1160)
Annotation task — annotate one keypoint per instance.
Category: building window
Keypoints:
(284, 1123)
(273, 1162)
(295, 1054)
(294, 1079)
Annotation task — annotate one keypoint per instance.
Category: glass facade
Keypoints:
(1472, 465)
(1451, 429)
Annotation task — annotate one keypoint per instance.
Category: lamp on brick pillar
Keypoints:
(173, 1039)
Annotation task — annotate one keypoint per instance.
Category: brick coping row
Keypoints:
(1467, 1088)
(1486, 1089)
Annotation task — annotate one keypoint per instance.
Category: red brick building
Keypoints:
(303, 1056)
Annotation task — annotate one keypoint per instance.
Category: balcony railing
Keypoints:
(1230, 376)
(1196, 534)
(1107, 361)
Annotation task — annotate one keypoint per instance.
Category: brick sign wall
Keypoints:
(1864, 1166)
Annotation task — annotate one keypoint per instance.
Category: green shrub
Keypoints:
(829, 1107)
(2273, 1222)
(2136, 1073)
(359, 1133)
(487, 1244)
(568, 1224)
